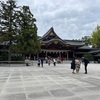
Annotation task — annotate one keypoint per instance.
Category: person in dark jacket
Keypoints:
(86, 61)
(73, 65)
(42, 62)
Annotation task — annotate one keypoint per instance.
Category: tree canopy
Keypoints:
(27, 38)
(86, 39)
(8, 15)
(18, 28)
(95, 39)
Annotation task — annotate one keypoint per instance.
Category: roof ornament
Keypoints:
(55, 42)
(51, 34)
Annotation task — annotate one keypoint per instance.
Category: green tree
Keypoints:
(8, 28)
(95, 39)
(18, 29)
(86, 39)
(27, 39)
(89, 56)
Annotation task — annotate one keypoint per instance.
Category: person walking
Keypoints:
(49, 61)
(27, 61)
(86, 61)
(42, 62)
(78, 64)
(54, 62)
(73, 65)
(38, 63)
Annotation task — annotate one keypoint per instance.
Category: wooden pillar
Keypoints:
(67, 56)
(73, 54)
(60, 54)
(46, 54)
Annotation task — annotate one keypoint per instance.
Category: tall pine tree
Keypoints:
(18, 29)
(8, 26)
(27, 39)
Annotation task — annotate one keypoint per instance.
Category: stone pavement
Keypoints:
(18, 82)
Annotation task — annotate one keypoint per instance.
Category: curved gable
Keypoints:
(50, 34)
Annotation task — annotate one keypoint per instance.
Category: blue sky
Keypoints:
(71, 19)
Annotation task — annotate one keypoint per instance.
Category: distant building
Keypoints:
(53, 46)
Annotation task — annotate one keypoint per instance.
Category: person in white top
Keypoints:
(54, 62)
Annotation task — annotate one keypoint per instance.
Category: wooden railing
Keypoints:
(27, 63)
(12, 62)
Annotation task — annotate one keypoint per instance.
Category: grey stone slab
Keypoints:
(86, 85)
(14, 76)
(94, 90)
(78, 89)
(39, 95)
(2, 81)
(92, 97)
(13, 90)
(43, 77)
(2, 85)
(20, 96)
(57, 78)
(94, 81)
(69, 98)
(29, 79)
(69, 86)
(34, 89)
(3, 78)
(74, 98)
(15, 80)
(46, 83)
(61, 93)
(41, 99)
(0, 90)
(4, 75)
(14, 84)
(53, 87)
(31, 83)
(49, 83)
(63, 82)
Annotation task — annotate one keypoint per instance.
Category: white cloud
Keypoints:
(71, 19)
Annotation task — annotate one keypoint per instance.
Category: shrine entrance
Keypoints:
(63, 54)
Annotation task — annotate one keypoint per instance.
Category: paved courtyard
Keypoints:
(18, 82)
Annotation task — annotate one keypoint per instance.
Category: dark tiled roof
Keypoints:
(95, 51)
(98, 55)
(73, 42)
(48, 32)
(85, 47)
(54, 40)
(80, 52)
(67, 42)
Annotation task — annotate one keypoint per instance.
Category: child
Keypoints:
(38, 62)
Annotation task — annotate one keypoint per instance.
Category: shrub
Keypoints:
(89, 57)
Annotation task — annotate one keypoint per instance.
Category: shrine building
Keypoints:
(53, 46)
